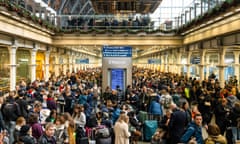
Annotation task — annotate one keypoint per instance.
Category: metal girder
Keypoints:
(83, 7)
(62, 6)
(91, 9)
(75, 5)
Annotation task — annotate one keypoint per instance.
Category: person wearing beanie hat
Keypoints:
(25, 135)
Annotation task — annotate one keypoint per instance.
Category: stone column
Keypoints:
(236, 64)
(171, 65)
(207, 66)
(202, 64)
(33, 64)
(13, 66)
(221, 66)
(166, 63)
(178, 62)
(56, 64)
(188, 63)
(47, 54)
(74, 67)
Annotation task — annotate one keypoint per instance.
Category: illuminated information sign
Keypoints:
(117, 78)
(117, 51)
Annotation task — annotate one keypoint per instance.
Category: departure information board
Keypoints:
(117, 78)
(117, 51)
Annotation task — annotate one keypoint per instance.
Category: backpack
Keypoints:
(12, 109)
(166, 101)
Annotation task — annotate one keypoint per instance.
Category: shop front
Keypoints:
(40, 64)
(4, 70)
(23, 67)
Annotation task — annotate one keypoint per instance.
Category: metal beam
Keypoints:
(83, 7)
(75, 5)
(62, 5)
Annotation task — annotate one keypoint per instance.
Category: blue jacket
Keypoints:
(155, 108)
(82, 99)
(193, 131)
(115, 115)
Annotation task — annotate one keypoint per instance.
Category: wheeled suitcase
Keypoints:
(107, 140)
(150, 126)
(83, 140)
(236, 135)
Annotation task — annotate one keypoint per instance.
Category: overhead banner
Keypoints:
(82, 61)
(117, 51)
(154, 61)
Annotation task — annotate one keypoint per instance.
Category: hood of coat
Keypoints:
(217, 139)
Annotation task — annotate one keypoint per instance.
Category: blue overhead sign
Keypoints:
(154, 61)
(117, 51)
(82, 61)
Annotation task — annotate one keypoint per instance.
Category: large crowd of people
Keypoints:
(72, 108)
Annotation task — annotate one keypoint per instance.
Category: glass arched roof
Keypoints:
(172, 10)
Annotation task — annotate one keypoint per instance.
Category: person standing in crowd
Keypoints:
(37, 129)
(221, 113)
(19, 123)
(61, 133)
(69, 99)
(177, 123)
(48, 136)
(25, 135)
(143, 98)
(70, 126)
(23, 105)
(11, 112)
(166, 99)
(214, 135)
(194, 130)
(155, 108)
(121, 130)
(2, 122)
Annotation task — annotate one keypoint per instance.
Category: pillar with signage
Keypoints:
(116, 66)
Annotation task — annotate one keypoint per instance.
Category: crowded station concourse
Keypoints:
(119, 72)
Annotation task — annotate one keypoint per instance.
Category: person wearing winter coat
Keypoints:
(25, 135)
(121, 130)
(194, 130)
(61, 133)
(48, 136)
(176, 124)
(155, 107)
(214, 135)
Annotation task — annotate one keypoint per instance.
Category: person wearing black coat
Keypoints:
(25, 135)
(177, 124)
(221, 114)
(234, 118)
(23, 104)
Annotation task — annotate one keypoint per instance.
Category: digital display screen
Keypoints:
(117, 78)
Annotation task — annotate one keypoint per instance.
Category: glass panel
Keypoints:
(23, 68)
(4, 70)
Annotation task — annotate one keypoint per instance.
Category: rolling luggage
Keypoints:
(150, 126)
(107, 140)
(236, 135)
(83, 140)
